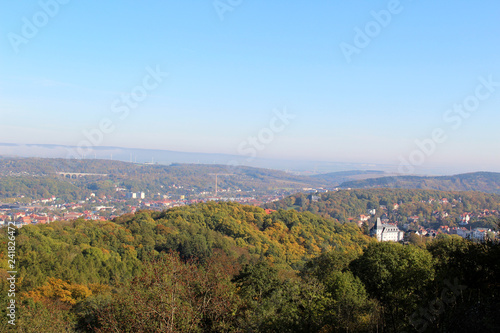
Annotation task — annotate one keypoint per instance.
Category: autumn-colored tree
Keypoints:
(57, 289)
(172, 296)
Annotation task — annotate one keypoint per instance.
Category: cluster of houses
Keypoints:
(466, 217)
(385, 231)
(480, 234)
(102, 208)
(23, 218)
(391, 232)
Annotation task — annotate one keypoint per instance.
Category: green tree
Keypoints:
(397, 276)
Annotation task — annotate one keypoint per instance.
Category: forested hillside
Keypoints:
(428, 206)
(37, 178)
(43, 187)
(225, 267)
(336, 178)
(477, 181)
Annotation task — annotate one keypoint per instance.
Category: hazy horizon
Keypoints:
(402, 83)
(139, 155)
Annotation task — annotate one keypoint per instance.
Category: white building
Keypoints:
(465, 218)
(480, 233)
(363, 218)
(386, 232)
(136, 195)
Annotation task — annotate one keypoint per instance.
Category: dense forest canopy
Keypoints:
(478, 181)
(233, 268)
(298, 266)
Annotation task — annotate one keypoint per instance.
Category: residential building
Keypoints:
(135, 195)
(463, 232)
(363, 218)
(480, 233)
(386, 232)
(465, 218)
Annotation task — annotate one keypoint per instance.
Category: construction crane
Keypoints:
(219, 174)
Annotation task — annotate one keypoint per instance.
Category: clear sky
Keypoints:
(363, 80)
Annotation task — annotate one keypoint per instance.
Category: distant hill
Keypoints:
(344, 176)
(167, 157)
(37, 178)
(478, 181)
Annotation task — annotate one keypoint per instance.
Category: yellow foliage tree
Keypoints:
(59, 290)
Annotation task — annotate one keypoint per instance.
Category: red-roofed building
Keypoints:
(43, 219)
(72, 215)
(444, 229)
(25, 219)
(18, 215)
(363, 218)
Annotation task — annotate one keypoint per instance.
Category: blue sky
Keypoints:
(227, 77)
